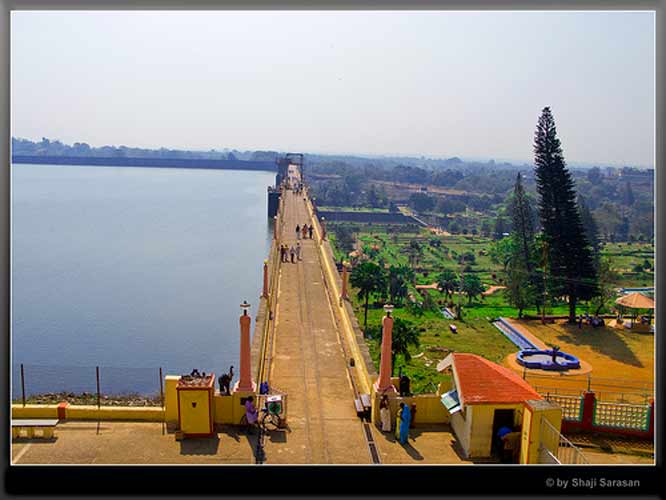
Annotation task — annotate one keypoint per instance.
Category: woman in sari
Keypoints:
(405, 419)
(385, 414)
(397, 421)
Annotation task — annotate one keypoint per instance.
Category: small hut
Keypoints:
(484, 397)
(636, 302)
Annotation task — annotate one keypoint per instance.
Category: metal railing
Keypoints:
(566, 453)
(87, 385)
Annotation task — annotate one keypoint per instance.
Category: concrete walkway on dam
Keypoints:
(308, 361)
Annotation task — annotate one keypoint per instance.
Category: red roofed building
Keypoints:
(484, 398)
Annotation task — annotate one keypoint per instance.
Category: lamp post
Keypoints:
(264, 293)
(275, 227)
(345, 278)
(383, 383)
(323, 228)
(245, 382)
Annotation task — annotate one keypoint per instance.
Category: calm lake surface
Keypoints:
(131, 269)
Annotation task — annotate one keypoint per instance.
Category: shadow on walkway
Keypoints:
(200, 446)
(408, 447)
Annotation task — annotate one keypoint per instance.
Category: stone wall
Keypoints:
(366, 217)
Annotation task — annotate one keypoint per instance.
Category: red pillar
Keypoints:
(275, 227)
(589, 401)
(245, 382)
(384, 384)
(62, 410)
(323, 228)
(264, 293)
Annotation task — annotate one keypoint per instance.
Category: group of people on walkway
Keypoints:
(287, 252)
(402, 421)
(298, 187)
(305, 231)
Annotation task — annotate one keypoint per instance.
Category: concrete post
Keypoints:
(384, 384)
(345, 277)
(264, 293)
(245, 382)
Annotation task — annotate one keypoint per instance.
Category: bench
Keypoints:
(47, 427)
(363, 406)
(360, 410)
(365, 399)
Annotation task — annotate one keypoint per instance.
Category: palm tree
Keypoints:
(399, 277)
(472, 286)
(447, 282)
(369, 278)
(404, 334)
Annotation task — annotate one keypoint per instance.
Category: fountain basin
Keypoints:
(543, 360)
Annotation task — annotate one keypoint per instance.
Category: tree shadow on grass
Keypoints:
(604, 340)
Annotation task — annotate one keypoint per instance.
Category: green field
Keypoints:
(392, 245)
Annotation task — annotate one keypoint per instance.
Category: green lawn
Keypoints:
(475, 334)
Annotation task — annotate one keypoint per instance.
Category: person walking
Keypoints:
(305, 231)
(298, 232)
(385, 414)
(405, 419)
(310, 231)
(298, 251)
(283, 253)
(292, 252)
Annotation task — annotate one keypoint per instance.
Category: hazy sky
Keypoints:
(470, 84)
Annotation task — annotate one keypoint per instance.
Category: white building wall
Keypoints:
(462, 427)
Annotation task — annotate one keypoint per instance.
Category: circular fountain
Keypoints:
(547, 359)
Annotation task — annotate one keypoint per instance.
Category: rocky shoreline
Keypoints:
(86, 398)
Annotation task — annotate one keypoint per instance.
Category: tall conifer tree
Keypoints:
(571, 267)
(591, 230)
(523, 282)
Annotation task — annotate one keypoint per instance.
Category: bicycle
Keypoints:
(270, 418)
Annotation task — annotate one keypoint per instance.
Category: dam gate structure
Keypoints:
(282, 173)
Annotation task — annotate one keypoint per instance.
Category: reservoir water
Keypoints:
(131, 269)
